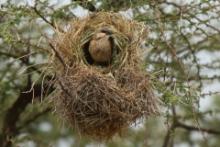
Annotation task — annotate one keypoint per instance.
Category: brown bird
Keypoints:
(100, 48)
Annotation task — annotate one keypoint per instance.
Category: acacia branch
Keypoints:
(58, 55)
(42, 17)
(13, 113)
(10, 128)
(194, 128)
(168, 135)
(171, 129)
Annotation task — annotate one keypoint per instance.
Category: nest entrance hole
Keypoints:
(115, 50)
(87, 55)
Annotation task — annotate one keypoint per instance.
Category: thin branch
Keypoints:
(210, 93)
(42, 17)
(194, 128)
(195, 60)
(168, 136)
(58, 55)
(171, 129)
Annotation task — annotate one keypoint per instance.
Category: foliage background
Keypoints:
(182, 57)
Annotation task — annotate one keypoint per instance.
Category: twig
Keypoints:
(171, 129)
(193, 128)
(42, 17)
(194, 59)
(58, 55)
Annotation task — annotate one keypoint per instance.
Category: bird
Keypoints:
(100, 48)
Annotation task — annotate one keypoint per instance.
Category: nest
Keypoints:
(102, 100)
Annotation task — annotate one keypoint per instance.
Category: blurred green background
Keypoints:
(182, 56)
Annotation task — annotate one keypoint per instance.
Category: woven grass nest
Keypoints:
(100, 101)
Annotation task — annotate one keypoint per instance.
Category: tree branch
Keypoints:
(194, 128)
(12, 116)
(171, 129)
(42, 17)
